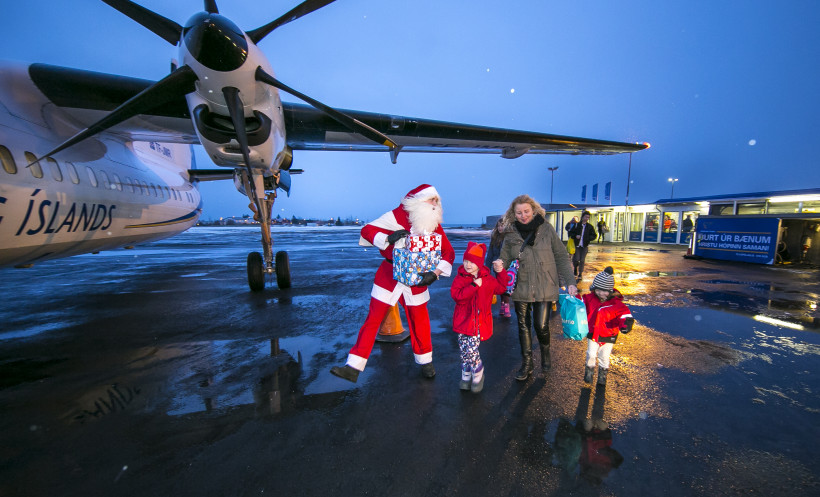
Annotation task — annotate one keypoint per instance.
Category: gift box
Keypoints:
(424, 243)
(408, 266)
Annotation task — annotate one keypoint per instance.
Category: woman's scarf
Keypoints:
(526, 229)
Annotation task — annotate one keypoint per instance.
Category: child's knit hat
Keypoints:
(475, 253)
(604, 280)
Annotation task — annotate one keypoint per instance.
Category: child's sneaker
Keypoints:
(478, 379)
(505, 310)
(466, 379)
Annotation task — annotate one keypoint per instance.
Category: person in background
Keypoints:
(543, 266)
(607, 315)
(583, 234)
(473, 289)
(687, 224)
(601, 230)
(571, 225)
(419, 213)
(493, 253)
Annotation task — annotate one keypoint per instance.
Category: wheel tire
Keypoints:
(256, 272)
(282, 270)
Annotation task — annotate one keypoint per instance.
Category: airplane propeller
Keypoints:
(353, 124)
(300, 10)
(181, 80)
(165, 28)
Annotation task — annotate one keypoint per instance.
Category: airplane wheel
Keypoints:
(256, 272)
(282, 270)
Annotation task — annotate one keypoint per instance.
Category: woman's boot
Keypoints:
(522, 311)
(540, 318)
(526, 354)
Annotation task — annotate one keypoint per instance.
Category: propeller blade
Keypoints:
(352, 124)
(175, 85)
(210, 7)
(235, 109)
(165, 28)
(300, 10)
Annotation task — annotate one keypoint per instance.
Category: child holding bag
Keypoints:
(473, 289)
(607, 315)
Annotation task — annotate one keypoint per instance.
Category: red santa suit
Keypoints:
(387, 291)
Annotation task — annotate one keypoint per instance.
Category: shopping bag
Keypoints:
(570, 246)
(512, 276)
(573, 317)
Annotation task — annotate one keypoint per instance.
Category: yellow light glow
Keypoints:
(778, 322)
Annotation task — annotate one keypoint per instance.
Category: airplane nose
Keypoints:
(215, 42)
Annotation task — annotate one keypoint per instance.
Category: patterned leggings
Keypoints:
(470, 360)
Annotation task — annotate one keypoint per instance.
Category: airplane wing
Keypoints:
(87, 95)
(311, 129)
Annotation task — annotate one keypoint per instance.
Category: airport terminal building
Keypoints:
(760, 227)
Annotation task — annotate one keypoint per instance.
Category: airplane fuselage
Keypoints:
(106, 194)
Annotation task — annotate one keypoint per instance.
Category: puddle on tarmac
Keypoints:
(636, 275)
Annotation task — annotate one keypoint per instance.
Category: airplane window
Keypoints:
(144, 188)
(129, 185)
(167, 192)
(106, 184)
(154, 188)
(72, 173)
(91, 176)
(55, 169)
(8, 160)
(35, 168)
(117, 183)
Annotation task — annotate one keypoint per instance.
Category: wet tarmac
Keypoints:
(154, 371)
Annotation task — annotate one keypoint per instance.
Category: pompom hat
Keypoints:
(604, 280)
(475, 253)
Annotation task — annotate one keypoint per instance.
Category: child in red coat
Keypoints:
(473, 289)
(607, 315)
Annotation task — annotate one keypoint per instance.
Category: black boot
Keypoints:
(522, 311)
(346, 372)
(428, 370)
(588, 372)
(526, 368)
(540, 321)
(546, 363)
(602, 376)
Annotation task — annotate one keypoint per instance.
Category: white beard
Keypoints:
(424, 218)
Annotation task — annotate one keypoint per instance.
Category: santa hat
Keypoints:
(604, 280)
(475, 253)
(422, 192)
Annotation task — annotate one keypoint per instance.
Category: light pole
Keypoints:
(673, 181)
(552, 181)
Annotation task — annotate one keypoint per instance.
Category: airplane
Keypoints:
(94, 161)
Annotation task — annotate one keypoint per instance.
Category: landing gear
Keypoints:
(261, 266)
(256, 272)
(282, 270)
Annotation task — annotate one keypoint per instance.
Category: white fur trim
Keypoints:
(424, 358)
(390, 298)
(446, 267)
(428, 192)
(380, 241)
(356, 362)
(388, 222)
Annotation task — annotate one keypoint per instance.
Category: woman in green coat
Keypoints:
(544, 264)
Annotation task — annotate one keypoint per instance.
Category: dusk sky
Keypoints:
(726, 92)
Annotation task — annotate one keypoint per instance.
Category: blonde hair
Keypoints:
(509, 216)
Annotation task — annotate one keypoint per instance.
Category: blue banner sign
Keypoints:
(732, 238)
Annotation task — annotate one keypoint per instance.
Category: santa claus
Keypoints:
(420, 213)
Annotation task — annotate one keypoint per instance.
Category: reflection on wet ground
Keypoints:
(177, 381)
